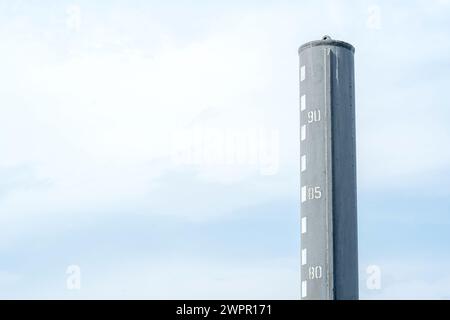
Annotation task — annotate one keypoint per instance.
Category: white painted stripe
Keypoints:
(303, 194)
(303, 133)
(304, 225)
(302, 73)
(303, 163)
(304, 252)
(304, 288)
(303, 102)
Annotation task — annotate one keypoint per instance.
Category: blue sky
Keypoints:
(107, 116)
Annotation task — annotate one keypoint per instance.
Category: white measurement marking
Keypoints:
(303, 194)
(313, 116)
(304, 252)
(303, 102)
(303, 163)
(315, 272)
(302, 73)
(303, 133)
(314, 193)
(304, 287)
(304, 225)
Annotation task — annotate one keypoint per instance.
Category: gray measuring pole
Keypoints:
(329, 248)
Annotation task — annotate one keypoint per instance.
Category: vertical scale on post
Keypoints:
(329, 252)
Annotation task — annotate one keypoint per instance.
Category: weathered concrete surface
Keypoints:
(328, 171)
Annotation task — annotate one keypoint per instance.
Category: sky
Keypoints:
(150, 150)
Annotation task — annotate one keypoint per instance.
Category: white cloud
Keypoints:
(173, 278)
(96, 123)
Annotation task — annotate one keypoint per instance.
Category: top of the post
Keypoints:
(326, 41)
